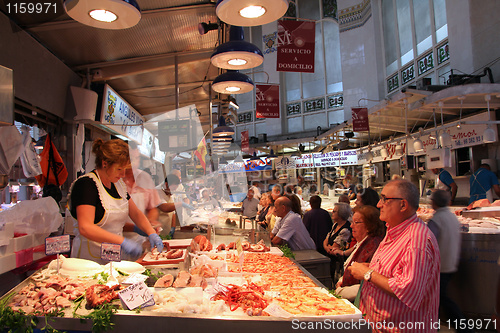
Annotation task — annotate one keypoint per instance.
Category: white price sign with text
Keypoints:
(56, 245)
(111, 252)
(136, 295)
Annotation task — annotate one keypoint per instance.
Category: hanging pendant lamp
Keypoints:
(232, 82)
(250, 13)
(489, 134)
(237, 53)
(254, 157)
(104, 14)
(418, 145)
(272, 155)
(222, 129)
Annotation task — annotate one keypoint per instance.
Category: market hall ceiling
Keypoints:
(139, 62)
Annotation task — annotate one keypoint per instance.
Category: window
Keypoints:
(415, 33)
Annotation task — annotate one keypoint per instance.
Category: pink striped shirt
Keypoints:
(409, 257)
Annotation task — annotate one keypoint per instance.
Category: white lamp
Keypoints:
(383, 152)
(445, 139)
(250, 13)
(489, 134)
(104, 14)
(418, 145)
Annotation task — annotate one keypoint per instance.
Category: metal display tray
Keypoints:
(131, 321)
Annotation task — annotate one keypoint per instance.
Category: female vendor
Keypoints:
(100, 204)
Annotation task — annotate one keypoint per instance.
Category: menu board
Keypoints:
(174, 135)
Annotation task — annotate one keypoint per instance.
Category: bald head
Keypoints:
(282, 206)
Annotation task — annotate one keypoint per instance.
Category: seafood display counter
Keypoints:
(248, 292)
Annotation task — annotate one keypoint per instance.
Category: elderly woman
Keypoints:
(338, 238)
(264, 215)
(368, 231)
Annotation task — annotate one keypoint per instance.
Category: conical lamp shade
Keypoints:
(445, 139)
(489, 135)
(104, 14)
(250, 13)
(237, 53)
(222, 129)
(418, 145)
(232, 82)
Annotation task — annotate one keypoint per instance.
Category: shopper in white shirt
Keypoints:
(290, 229)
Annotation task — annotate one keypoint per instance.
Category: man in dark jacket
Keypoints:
(318, 222)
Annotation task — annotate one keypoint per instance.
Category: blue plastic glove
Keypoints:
(188, 206)
(172, 231)
(155, 240)
(132, 248)
(139, 231)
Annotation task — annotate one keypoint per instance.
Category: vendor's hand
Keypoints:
(130, 247)
(139, 231)
(155, 240)
(358, 269)
(188, 206)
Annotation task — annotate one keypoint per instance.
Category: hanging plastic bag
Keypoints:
(34, 216)
(11, 144)
(29, 158)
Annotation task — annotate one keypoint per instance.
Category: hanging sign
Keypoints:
(267, 97)
(336, 158)
(261, 164)
(119, 116)
(296, 44)
(467, 135)
(360, 120)
(304, 162)
(245, 141)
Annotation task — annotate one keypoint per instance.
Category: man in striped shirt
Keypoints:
(400, 292)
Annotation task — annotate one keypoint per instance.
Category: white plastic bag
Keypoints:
(11, 143)
(29, 158)
(34, 216)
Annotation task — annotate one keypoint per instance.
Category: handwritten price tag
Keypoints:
(136, 295)
(111, 252)
(56, 245)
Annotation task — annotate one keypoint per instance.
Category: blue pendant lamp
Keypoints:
(237, 53)
(272, 155)
(250, 13)
(222, 129)
(254, 157)
(232, 82)
(104, 14)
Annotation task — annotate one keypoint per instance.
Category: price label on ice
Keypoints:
(56, 245)
(136, 295)
(111, 252)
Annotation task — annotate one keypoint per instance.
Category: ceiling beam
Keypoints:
(159, 88)
(112, 70)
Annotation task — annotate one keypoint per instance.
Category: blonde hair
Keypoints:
(114, 151)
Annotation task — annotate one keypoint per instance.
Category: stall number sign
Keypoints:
(136, 295)
(56, 245)
(111, 252)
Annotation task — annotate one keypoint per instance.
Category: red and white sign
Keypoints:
(245, 142)
(360, 119)
(296, 44)
(267, 100)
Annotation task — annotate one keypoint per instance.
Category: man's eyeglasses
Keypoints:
(384, 199)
